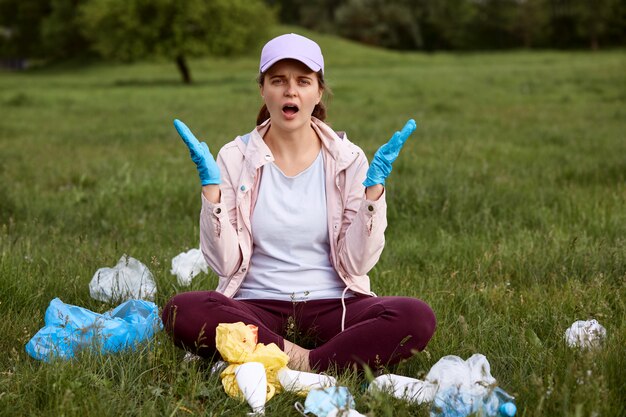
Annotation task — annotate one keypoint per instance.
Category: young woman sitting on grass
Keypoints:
(292, 220)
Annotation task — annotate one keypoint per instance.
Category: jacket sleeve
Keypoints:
(218, 236)
(362, 234)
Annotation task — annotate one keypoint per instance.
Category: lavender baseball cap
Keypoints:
(292, 46)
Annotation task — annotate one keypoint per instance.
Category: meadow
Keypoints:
(507, 214)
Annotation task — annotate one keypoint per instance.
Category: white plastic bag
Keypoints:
(472, 377)
(585, 334)
(129, 279)
(187, 265)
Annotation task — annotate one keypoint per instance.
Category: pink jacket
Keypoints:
(356, 226)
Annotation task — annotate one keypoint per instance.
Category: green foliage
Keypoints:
(446, 25)
(133, 29)
(530, 23)
(376, 22)
(506, 214)
(60, 31)
(128, 30)
(464, 24)
(595, 19)
(21, 21)
(45, 29)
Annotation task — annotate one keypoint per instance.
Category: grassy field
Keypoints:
(507, 214)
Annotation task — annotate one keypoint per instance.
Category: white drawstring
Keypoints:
(343, 305)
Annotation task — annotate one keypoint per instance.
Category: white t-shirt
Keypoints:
(291, 253)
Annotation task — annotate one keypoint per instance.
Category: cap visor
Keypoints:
(306, 61)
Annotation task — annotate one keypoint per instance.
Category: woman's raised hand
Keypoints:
(380, 167)
(207, 167)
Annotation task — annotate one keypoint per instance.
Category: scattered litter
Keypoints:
(303, 382)
(453, 402)
(405, 388)
(129, 279)
(585, 334)
(252, 382)
(218, 367)
(456, 388)
(328, 402)
(69, 329)
(187, 265)
(237, 343)
(250, 368)
(472, 375)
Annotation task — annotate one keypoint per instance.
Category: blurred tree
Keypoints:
(41, 29)
(593, 18)
(531, 20)
(21, 24)
(61, 36)
(288, 10)
(463, 24)
(562, 32)
(319, 14)
(494, 23)
(133, 29)
(379, 22)
(445, 24)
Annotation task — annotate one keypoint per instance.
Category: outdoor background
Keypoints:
(506, 206)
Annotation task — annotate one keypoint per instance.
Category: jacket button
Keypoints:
(370, 207)
(243, 269)
(218, 210)
(242, 188)
(240, 229)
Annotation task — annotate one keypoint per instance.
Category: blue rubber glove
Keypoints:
(385, 155)
(207, 167)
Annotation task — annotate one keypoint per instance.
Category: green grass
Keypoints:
(506, 214)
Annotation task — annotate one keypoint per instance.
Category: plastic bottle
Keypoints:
(452, 402)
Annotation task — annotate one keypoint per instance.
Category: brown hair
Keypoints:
(319, 111)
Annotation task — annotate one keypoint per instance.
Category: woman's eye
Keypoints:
(277, 81)
(305, 82)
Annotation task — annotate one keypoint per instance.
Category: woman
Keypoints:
(292, 220)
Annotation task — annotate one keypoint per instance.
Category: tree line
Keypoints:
(432, 25)
(178, 29)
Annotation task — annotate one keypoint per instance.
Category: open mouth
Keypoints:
(290, 109)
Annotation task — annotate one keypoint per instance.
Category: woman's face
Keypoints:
(290, 91)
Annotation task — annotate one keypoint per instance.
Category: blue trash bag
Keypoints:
(69, 329)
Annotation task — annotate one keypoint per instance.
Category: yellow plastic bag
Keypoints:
(237, 343)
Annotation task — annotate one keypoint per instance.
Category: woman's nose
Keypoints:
(290, 89)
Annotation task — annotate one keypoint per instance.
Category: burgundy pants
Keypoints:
(378, 330)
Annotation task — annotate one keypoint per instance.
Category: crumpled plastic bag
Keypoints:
(187, 265)
(456, 388)
(585, 334)
(237, 343)
(472, 375)
(129, 279)
(466, 387)
(69, 329)
(328, 401)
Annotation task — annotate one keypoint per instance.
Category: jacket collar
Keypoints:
(257, 153)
